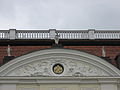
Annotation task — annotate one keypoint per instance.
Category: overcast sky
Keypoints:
(60, 14)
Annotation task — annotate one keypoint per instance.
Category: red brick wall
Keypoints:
(19, 50)
(2, 53)
(96, 50)
(111, 51)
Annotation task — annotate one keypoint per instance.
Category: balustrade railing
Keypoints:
(4, 34)
(107, 34)
(32, 34)
(64, 34)
(73, 34)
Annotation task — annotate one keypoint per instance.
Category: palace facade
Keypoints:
(59, 59)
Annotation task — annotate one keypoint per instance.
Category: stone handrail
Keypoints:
(64, 34)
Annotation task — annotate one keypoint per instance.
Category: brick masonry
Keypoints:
(111, 51)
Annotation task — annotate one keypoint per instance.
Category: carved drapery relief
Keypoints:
(45, 68)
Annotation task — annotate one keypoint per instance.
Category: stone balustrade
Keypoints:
(64, 34)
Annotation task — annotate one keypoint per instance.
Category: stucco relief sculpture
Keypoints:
(58, 67)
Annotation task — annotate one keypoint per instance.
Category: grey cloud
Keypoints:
(59, 14)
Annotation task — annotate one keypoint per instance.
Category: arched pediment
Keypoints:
(58, 62)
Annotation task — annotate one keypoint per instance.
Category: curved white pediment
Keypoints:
(58, 62)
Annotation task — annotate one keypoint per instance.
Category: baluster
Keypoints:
(119, 35)
(1, 35)
(27, 35)
(45, 35)
(113, 35)
(74, 35)
(70, 35)
(108, 35)
(34, 35)
(19, 35)
(97, 35)
(31, 35)
(62, 35)
(66, 35)
(101, 36)
(37, 35)
(42, 35)
(22, 35)
(80, 35)
(5, 35)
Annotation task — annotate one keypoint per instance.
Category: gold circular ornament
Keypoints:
(58, 69)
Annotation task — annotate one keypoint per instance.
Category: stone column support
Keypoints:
(12, 34)
(52, 33)
(91, 34)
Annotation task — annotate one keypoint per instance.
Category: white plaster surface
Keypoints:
(7, 86)
(109, 87)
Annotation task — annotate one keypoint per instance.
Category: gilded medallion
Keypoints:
(58, 69)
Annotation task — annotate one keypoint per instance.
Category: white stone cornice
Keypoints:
(83, 80)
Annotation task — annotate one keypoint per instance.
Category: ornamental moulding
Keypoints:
(58, 62)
